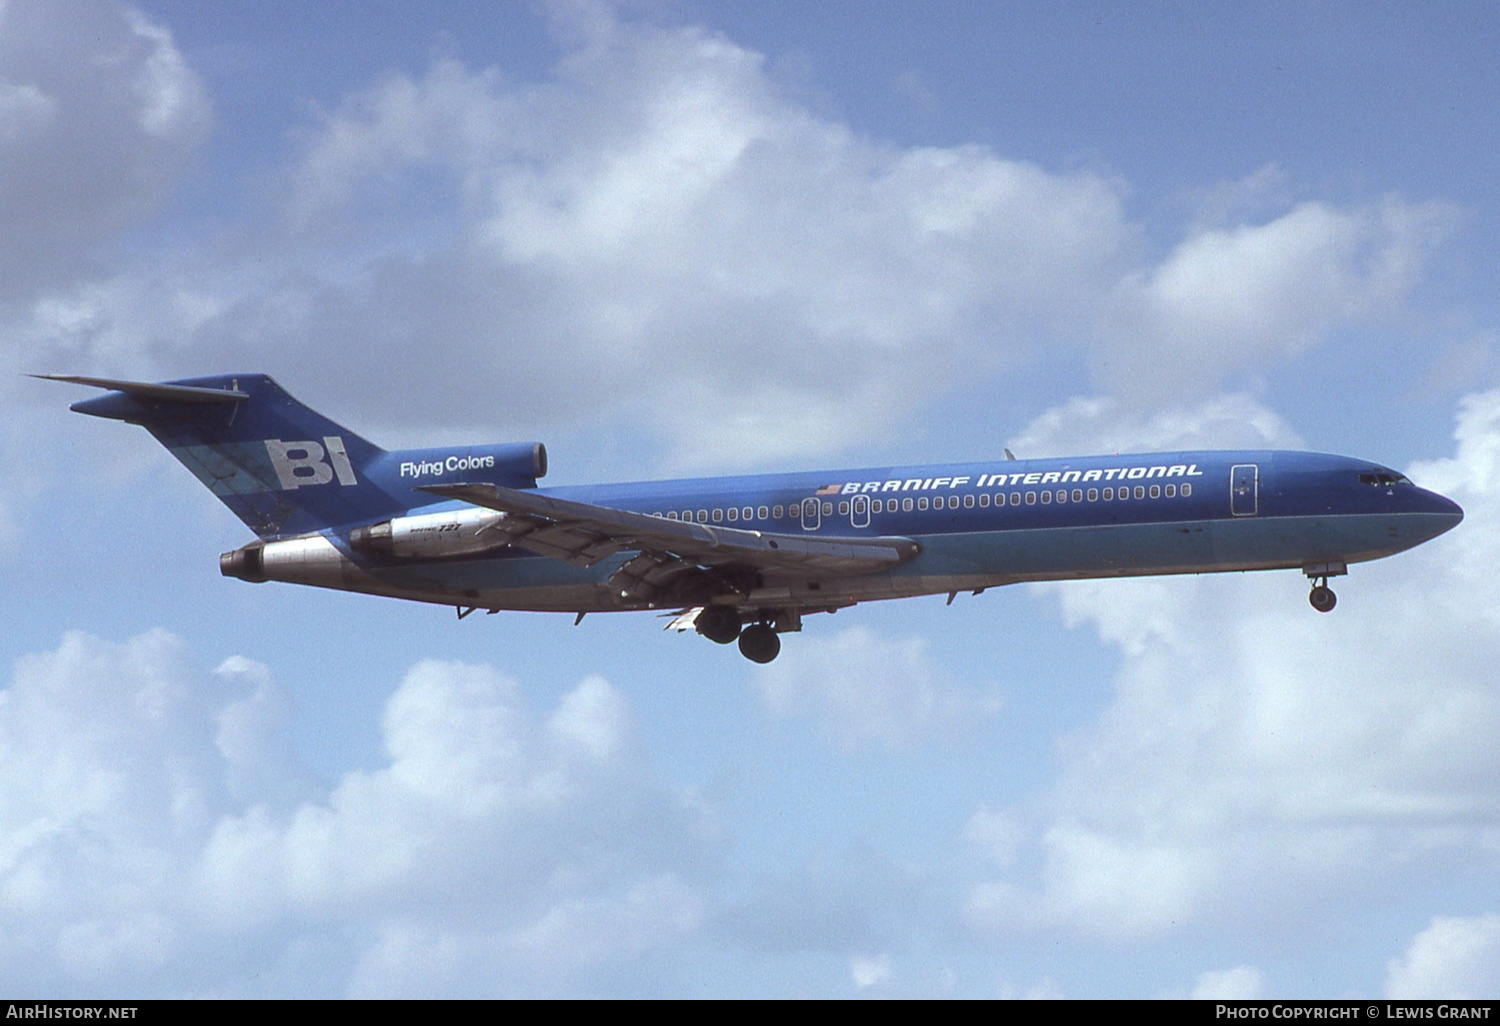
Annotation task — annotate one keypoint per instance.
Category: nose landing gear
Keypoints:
(1322, 597)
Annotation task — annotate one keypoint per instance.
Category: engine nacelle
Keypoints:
(510, 465)
(461, 532)
(246, 562)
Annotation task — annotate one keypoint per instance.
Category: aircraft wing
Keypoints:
(582, 534)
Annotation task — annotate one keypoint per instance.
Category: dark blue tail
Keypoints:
(285, 469)
(282, 468)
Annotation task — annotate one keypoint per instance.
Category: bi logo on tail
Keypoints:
(307, 463)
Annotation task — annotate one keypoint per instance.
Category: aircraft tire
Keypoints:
(718, 624)
(759, 643)
(1323, 599)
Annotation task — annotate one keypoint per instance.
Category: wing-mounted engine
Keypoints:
(460, 532)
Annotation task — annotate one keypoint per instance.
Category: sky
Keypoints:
(674, 238)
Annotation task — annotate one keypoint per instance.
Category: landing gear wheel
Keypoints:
(1323, 599)
(718, 624)
(759, 643)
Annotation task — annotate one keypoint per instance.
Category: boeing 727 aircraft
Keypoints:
(745, 558)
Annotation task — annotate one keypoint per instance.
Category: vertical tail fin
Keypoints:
(281, 467)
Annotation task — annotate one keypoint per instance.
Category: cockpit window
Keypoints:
(1383, 478)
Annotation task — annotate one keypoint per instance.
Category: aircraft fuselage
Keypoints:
(978, 526)
(746, 557)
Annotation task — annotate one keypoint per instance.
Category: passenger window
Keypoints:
(953, 502)
(1077, 494)
(984, 500)
(922, 502)
(718, 515)
(968, 502)
(1031, 498)
(1187, 490)
(795, 512)
(1156, 491)
(1109, 495)
(703, 516)
(1140, 491)
(828, 509)
(765, 513)
(1093, 495)
(1171, 491)
(1046, 496)
(906, 505)
(734, 513)
(844, 508)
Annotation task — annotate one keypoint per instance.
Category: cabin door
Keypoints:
(1244, 489)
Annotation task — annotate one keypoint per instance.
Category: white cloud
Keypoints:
(1254, 750)
(1455, 958)
(1242, 983)
(1104, 424)
(869, 970)
(150, 810)
(762, 280)
(658, 232)
(656, 235)
(98, 115)
(1244, 297)
(869, 691)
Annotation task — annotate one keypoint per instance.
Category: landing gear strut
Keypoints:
(1322, 597)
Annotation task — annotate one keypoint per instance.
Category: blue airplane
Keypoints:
(745, 558)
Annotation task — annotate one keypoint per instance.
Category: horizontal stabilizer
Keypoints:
(154, 391)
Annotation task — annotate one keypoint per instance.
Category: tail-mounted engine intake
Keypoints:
(463, 532)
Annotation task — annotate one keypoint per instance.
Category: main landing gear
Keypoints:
(718, 624)
(759, 643)
(1322, 597)
(721, 624)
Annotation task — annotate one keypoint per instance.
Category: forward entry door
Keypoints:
(1244, 489)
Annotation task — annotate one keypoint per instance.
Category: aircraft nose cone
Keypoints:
(1448, 513)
